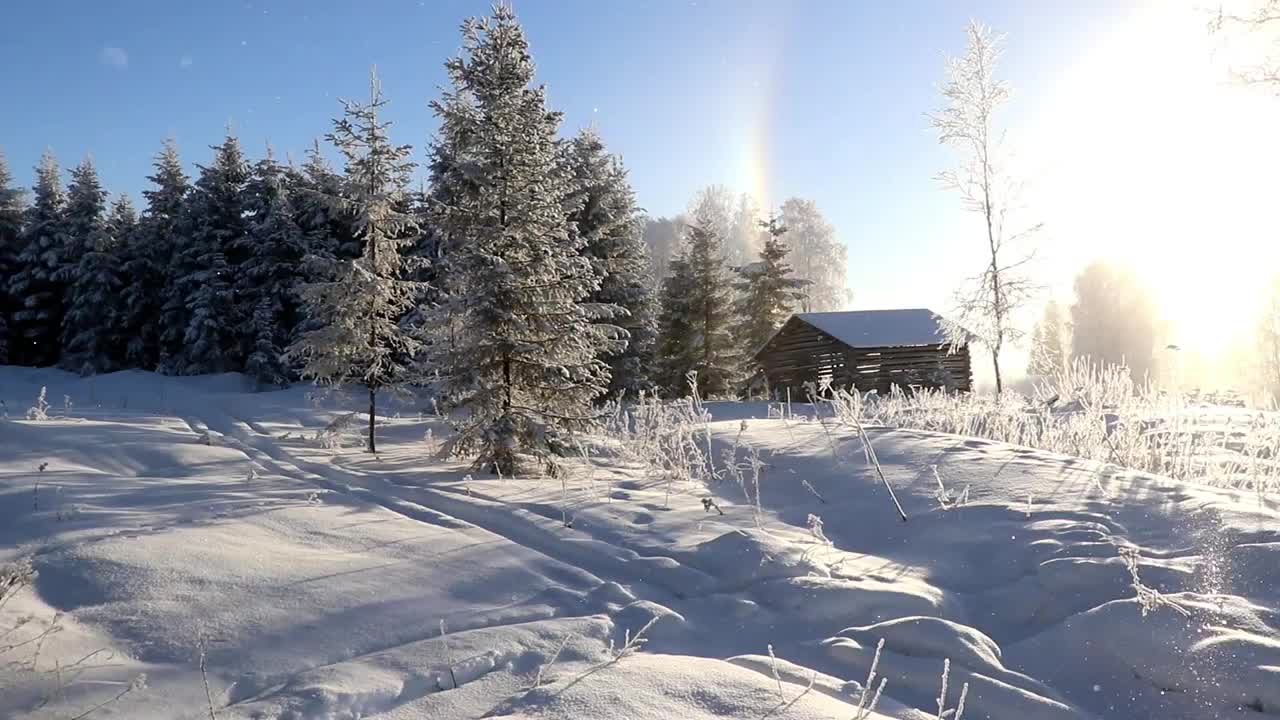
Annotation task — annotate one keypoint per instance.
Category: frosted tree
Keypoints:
(608, 221)
(662, 238)
(524, 362)
(986, 305)
(714, 207)
(744, 237)
(267, 278)
(1250, 26)
(148, 257)
(816, 255)
(43, 260)
(768, 293)
(1114, 320)
(358, 336)
(206, 264)
(1048, 342)
(697, 320)
(1268, 343)
(12, 205)
(90, 332)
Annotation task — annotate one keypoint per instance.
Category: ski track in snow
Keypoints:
(1028, 598)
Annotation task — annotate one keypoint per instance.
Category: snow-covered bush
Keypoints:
(669, 439)
(13, 578)
(334, 435)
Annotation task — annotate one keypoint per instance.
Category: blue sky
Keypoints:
(818, 98)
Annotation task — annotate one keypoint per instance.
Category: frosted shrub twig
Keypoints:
(868, 700)
(958, 712)
(40, 411)
(815, 530)
(943, 496)
(784, 704)
(537, 681)
(1149, 599)
(630, 645)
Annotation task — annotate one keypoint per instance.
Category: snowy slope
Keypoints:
(320, 581)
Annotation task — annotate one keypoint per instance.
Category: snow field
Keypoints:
(334, 584)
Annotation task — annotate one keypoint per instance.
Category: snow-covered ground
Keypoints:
(180, 513)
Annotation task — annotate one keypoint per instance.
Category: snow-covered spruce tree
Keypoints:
(698, 318)
(90, 334)
(94, 331)
(610, 224)
(359, 337)
(11, 209)
(267, 280)
(148, 258)
(676, 351)
(38, 323)
(453, 181)
(768, 293)
(325, 227)
(525, 361)
(205, 267)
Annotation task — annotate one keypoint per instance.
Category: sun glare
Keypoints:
(1152, 157)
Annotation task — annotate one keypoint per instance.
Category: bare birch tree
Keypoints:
(985, 305)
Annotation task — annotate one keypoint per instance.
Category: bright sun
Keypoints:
(1147, 154)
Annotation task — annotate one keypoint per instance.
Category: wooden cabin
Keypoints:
(866, 349)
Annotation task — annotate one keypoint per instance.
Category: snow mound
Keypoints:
(932, 637)
(740, 558)
(662, 687)
(451, 675)
(1217, 654)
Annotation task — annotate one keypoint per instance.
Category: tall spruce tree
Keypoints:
(675, 356)
(100, 345)
(148, 302)
(43, 259)
(215, 217)
(267, 279)
(611, 227)
(90, 336)
(359, 337)
(767, 294)
(698, 317)
(325, 225)
(525, 362)
(12, 204)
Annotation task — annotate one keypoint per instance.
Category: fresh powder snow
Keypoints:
(176, 518)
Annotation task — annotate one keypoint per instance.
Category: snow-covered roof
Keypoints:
(879, 328)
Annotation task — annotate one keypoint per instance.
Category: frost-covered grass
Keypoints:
(1098, 414)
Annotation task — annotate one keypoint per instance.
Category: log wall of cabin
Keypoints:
(801, 353)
